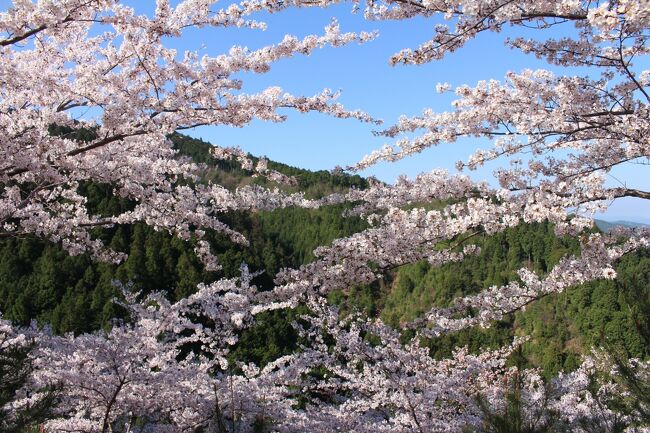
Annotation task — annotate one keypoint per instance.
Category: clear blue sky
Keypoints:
(368, 82)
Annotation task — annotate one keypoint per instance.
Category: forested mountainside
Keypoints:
(38, 280)
(611, 312)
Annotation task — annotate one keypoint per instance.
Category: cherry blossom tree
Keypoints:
(20, 406)
(91, 92)
(168, 368)
(561, 136)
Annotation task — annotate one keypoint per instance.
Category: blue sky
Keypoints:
(368, 82)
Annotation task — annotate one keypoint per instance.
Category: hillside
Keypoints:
(609, 225)
(38, 280)
(563, 326)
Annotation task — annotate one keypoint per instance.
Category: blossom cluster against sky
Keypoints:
(368, 82)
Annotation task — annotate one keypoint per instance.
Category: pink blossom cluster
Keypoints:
(101, 68)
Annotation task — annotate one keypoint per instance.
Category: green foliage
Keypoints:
(271, 337)
(40, 281)
(562, 326)
(418, 287)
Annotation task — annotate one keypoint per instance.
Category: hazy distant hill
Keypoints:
(609, 225)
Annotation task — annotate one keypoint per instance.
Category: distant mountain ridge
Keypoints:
(610, 225)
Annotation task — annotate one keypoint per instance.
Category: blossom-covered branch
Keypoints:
(91, 92)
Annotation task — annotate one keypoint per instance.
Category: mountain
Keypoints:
(606, 226)
(38, 280)
(562, 326)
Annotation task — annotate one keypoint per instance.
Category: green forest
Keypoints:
(39, 281)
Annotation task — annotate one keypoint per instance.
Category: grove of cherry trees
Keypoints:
(166, 369)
